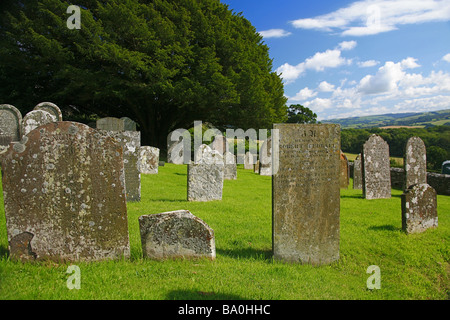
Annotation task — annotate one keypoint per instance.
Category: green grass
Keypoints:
(352, 157)
(412, 266)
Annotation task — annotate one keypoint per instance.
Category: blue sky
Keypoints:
(355, 58)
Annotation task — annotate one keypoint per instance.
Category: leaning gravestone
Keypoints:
(64, 195)
(305, 193)
(176, 234)
(230, 168)
(415, 162)
(51, 108)
(249, 161)
(36, 118)
(110, 124)
(357, 173)
(10, 125)
(265, 155)
(148, 160)
(131, 144)
(376, 168)
(419, 208)
(344, 177)
(205, 177)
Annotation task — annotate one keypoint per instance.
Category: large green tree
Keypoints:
(163, 63)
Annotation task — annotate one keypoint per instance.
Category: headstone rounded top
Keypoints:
(36, 118)
(10, 124)
(51, 108)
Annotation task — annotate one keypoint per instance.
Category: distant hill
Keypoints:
(410, 119)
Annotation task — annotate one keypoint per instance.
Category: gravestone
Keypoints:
(249, 161)
(128, 124)
(10, 125)
(357, 173)
(415, 162)
(179, 147)
(256, 167)
(376, 168)
(220, 144)
(51, 108)
(344, 177)
(148, 160)
(306, 194)
(230, 167)
(131, 144)
(36, 118)
(265, 155)
(110, 124)
(419, 208)
(64, 195)
(176, 234)
(205, 177)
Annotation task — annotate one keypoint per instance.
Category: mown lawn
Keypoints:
(412, 266)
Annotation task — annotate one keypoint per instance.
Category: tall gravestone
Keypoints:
(344, 177)
(64, 195)
(131, 144)
(36, 118)
(148, 161)
(51, 108)
(110, 124)
(265, 156)
(230, 167)
(357, 173)
(306, 194)
(376, 168)
(415, 162)
(10, 125)
(419, 208)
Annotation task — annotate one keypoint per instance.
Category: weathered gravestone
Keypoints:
(265, 155)
(419, 208)
(220, 144)
(249, 161)
(36, 118)
(110, 124)
(179, 147)
(148, 160)
(305, 193)
(128, 124)
(256, 167)
(357, 173)
(10, 125)
(344, 177)
(176, 234)
(64, 195)
(230, 167)
(131, 144)
(51, 108)
(376, 168)
(415, 162)
(205, 176)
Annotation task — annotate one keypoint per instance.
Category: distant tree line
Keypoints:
(436, 139)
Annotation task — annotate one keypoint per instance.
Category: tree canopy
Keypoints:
(300, 114)
(162, 63)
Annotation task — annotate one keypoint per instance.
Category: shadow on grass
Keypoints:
(4, 253)
(201, 295)
(247, 253)
(385, 227)
(354, 196)
(180, 174)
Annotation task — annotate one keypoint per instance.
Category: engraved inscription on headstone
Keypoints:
(306, 194)
(357, 173)
(51, 108)
(415, 162)
(419, 208)
(376, 168)
(64, 195)
(10, 124)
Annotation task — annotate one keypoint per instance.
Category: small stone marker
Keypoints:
(176, 234)
(51, 108)
(10, 124)
(110, 124)
(205, 177)
(230, 169)
(306, 194)
(148, 160)
(357, 173)
(415, 162)
(36, 118)
(64, 195)
(256, 167)
(249, 161)
(376, 168)
(265, 155)
(419, 208)
(128, 124)
(344, 177)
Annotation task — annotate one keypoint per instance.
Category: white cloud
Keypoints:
(304, 94)
(409, 63)
(385, 80)
(290, 73)
(347, 45)
(318, 104)
(369, 17)
(326, 87)
(446, 57)
(274, 33)
(368, 63)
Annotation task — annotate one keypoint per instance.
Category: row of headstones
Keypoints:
(371, 173)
